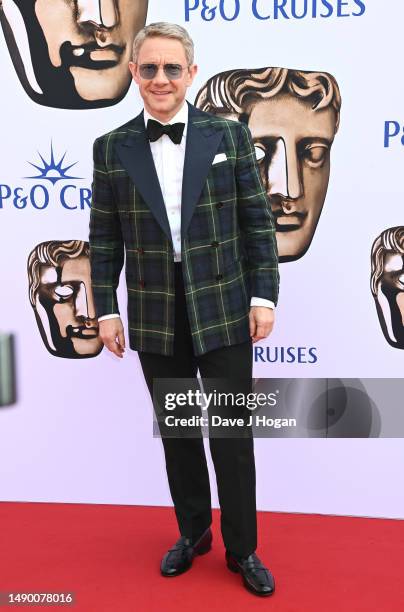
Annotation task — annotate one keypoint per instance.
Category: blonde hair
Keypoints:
(165, 30)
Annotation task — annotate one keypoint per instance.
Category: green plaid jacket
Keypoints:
(227, 234)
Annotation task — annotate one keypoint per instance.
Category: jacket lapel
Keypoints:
(202, 143)
(136, 157)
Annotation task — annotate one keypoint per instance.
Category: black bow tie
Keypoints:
(155, 129)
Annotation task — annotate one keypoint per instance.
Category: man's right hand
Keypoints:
(112, 335)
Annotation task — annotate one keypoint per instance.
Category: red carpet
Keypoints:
(109, 557)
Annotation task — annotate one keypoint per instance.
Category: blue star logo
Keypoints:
(52, 171)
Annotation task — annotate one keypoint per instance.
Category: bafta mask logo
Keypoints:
(61, 296)
(72, 53)
(387, 283)
(293, 117)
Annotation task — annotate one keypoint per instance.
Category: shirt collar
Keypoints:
(180, 117)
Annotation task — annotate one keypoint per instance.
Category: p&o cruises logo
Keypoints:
(39, 195)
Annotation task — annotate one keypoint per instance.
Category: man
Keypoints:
(61, 296)
(387, 283)
(181, 191)
(293, 117)
(79, 50)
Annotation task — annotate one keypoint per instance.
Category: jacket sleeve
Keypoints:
(256, 221)
(105, 238)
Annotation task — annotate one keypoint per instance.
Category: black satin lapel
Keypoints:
(201, 147)
(136, 157)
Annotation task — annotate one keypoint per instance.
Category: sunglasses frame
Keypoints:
(165, 68)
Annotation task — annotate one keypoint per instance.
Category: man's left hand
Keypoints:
(262, 321)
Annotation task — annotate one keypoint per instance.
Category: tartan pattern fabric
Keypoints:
(228, 247)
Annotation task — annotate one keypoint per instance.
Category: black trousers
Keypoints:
(233, 457)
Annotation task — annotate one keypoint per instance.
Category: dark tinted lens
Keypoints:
(148, 71)
(173, 71)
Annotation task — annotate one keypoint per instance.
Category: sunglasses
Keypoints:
(172, 71)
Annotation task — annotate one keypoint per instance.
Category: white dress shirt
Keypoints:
(168, 159)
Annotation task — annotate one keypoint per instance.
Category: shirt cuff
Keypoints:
(257, 301)
(109, 316)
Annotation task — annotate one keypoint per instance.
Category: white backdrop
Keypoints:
(81, 430)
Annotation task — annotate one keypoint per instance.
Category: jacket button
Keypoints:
(219, 205)
(142, 283)
(215, 243)
(219, 277)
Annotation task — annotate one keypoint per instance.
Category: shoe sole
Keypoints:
(234, 568)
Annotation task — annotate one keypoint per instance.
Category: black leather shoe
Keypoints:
(179, 558)
(256, 577)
